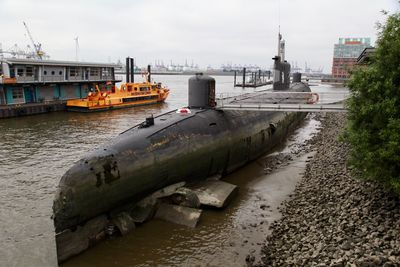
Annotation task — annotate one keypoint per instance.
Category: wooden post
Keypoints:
(234, 81)
(149, 73)
(244, 77)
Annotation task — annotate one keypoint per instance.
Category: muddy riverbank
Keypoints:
(332, 218)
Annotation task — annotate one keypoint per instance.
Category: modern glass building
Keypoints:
(345, 54)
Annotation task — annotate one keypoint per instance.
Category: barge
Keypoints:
(31, 86)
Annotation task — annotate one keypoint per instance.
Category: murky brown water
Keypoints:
(34, 153)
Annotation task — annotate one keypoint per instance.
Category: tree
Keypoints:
(374, 109)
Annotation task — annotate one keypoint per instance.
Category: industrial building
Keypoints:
(345, 55)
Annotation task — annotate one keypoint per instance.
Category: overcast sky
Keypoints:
(208, 32)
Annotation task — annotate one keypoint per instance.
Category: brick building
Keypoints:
(345, 54)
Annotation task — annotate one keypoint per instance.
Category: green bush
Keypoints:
(374, 110)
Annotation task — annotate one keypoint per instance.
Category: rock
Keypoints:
(346, 245)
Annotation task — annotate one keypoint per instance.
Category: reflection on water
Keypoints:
(34, 153)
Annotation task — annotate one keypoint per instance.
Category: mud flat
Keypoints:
(333, 218)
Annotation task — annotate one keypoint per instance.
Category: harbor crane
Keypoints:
(17, 52)
(39, 54)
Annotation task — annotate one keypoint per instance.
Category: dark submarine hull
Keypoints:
(177, 147)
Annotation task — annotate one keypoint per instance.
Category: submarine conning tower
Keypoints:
(201, 91)
(281, 67)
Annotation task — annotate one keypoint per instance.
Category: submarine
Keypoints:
(187, 144)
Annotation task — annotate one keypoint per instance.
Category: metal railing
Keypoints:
(28, 79)
(284, 101)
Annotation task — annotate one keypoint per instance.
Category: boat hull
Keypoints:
(110, 107)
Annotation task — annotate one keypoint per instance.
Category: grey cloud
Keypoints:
(208, 32)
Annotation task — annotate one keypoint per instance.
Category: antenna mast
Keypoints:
(76, 48)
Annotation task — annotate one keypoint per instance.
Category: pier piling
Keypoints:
(132, 69)
(127, 69)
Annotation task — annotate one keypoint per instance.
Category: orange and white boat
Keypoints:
(128, 95)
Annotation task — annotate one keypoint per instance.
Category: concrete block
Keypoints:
(214, 193)
(178, 214)
(144, 209)
(70, 243)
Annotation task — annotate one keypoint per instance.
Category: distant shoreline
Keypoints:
(221, 73)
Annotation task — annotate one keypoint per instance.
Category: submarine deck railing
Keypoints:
(284, 101)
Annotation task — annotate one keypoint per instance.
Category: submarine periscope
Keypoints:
(188, 144)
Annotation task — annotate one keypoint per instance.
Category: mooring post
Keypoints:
(234, 81)
(132, 62)
(149, 73)
(244, 77)
(127, 69)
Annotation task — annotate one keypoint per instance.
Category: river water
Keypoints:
(35, 151)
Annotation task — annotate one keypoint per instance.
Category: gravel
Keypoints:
(333, 219)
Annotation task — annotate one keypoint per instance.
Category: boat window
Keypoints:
(29, 71)
(129, 88)
(18, 93)
(20, 72)
(94, 72)
(74, 72)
